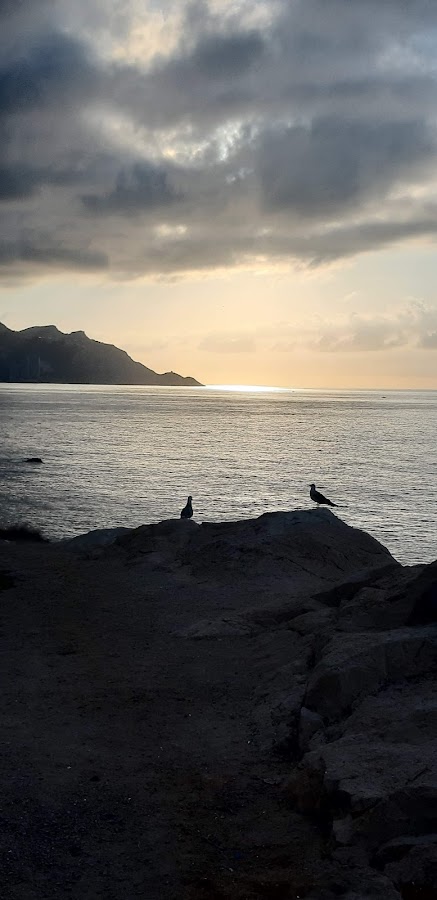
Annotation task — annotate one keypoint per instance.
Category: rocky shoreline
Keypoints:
(233, 710)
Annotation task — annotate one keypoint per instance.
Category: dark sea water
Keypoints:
(130, 455)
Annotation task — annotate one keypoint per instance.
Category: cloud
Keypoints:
(142, 187)
(225, 56)
(54, 70)
(411, 326)
(429, 341)
(249, 134)
(50, 255)
(325, 168)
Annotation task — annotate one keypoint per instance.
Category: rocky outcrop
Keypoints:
(271, 680)
(367, 732)
(309, 551)
(355, 705)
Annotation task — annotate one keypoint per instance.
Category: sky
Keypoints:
(245, 191)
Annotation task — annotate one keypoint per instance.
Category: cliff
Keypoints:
(45, 354)
(226, 710)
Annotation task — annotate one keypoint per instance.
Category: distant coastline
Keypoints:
(45, 355)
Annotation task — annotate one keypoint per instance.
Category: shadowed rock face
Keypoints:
(263, 692)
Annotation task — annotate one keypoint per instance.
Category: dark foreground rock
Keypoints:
(235, 710)
(22, 533)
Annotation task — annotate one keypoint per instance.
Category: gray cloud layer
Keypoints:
(310, 136)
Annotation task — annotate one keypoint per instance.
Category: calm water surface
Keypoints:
(129, 455)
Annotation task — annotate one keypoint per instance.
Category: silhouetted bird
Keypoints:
(319, 498)
(187, 511)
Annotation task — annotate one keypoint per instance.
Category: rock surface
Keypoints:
(235, 710)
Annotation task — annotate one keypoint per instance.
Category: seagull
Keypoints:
(187, 511)
(319, 498)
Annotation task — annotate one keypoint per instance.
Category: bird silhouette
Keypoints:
(319, 498)
(187, 511)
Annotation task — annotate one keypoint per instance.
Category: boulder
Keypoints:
(359, 773)
(398, 848)
(355, 665)
(94, 540)
(400, 597)
(376, 777)
(418, 867)
(283, 554)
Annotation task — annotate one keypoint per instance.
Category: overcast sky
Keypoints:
(241, 191)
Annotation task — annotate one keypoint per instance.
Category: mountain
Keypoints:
(45, 354)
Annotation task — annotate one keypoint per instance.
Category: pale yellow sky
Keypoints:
(353, 324)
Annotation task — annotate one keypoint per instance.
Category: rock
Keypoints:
(254, 619)
(163, 543)
(342, 830)
(355, 665)
(33, 459)
(94, 540)
(289, 656)
(309, 724)
(285, 554)
(377, 778)
(319, 621)
(359, 773)
(347, 591)
(418, 867)
(423, 594)
(402, 713)
(357, 884)
(385, 602)
(410, 810)
(403, 597)
(396, 849)
(22, 533)
(306, 549)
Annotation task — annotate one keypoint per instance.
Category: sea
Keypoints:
(124, 456)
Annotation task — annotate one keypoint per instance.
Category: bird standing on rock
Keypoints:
(187, 511)
(319, 498)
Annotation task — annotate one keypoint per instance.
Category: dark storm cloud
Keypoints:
(17, 182)
(21, 181)
(327, 166)
(50, 255)
(54, 70)
(138, 189)
(15, 7)
(225, 55)
(277, 131)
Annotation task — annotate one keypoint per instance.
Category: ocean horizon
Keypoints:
(129, 455)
